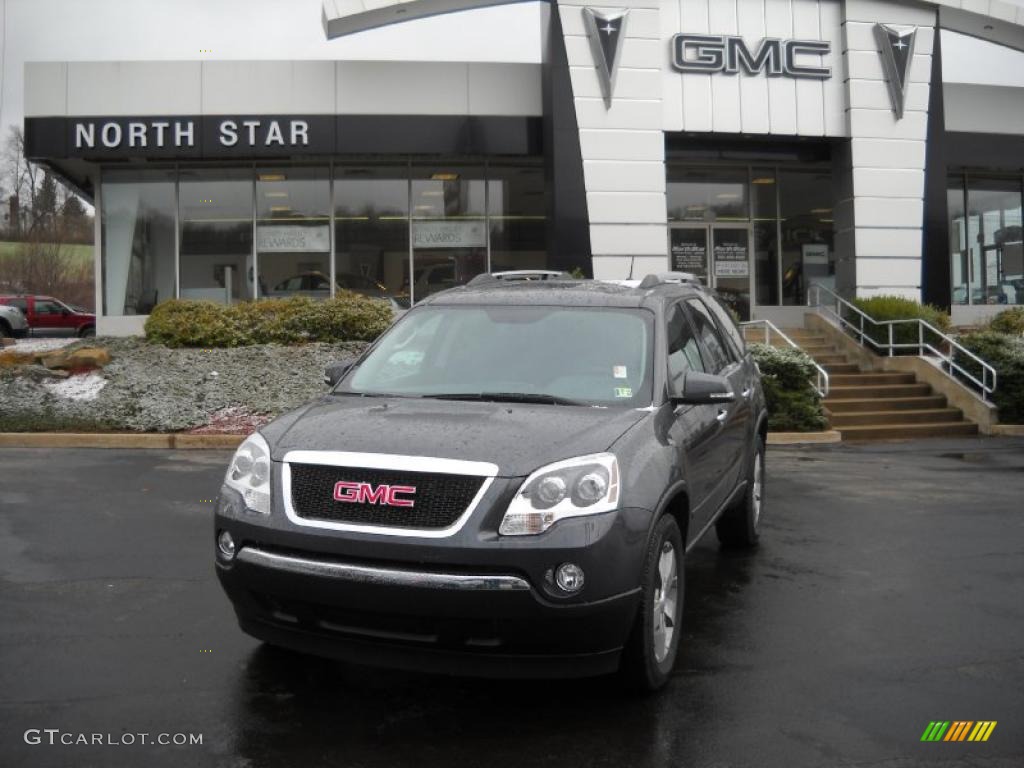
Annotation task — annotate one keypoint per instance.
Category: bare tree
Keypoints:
(21, 175)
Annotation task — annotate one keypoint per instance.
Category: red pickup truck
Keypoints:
(46, 314)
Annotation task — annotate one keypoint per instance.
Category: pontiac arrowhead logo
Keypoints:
(897, 49)
(606, 31)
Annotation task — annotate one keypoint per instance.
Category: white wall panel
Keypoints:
(629, 83)
(390, 87)
(134, 88)
(642, 53)
(879, 182)
(624, 113)
(611, 144)
(873, 273)
(833, 91)
(888, 12)
(626, 207)
(505, 89)
(887, 243)
(725, 89)
(888, 212)
(867, 65)
(697, 106)
(672, 81)
(46, 88)
(781, 90)
(753, 90)
(625, 239)
(624, 175)
(874, 94)
(882, 123)
(889, 153)
(810, 99)
(267, 87)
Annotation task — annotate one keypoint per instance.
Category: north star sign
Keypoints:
(142, 134)
(729, 54)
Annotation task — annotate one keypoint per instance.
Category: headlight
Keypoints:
(249, 473)
(586, 485)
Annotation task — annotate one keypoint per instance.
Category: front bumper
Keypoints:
(475, 603)
(489, 624)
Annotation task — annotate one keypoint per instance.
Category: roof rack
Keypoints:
(518, 275)
(668, 278)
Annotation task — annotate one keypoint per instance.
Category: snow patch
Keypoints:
(42, 345)
(83, 388)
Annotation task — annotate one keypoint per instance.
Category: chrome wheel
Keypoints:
(757, 490)
(666, 595)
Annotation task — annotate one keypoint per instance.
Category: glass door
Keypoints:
(688, 247)
(730, 256)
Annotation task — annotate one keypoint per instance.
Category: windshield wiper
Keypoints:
(507, 397)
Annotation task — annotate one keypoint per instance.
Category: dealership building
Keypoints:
(871, 146)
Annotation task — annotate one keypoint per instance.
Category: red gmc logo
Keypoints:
(364, 493)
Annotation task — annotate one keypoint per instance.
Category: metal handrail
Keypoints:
(820, 381)
(925, 349)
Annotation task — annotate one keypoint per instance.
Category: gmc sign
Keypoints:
(730, 55)
(365, 493)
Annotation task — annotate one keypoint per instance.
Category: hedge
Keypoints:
(1009, 321)
(883, 308)
(793, 403)
(347, 317)
(1005, 353)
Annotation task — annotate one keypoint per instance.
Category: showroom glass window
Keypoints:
(516, 215)
(448, 205)
(215, 207)
(293, 232)
(138, 240)
(993, 241)
(764, 202)
(807, 244)
(707, 194)
(959, 253)
(371, 229)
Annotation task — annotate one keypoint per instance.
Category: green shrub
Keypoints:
(786, 375)
(297, 320)
(883, 308)
(1009, 321)
(1005, 353)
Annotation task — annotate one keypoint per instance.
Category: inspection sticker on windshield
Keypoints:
(619, 371)
(623, 392)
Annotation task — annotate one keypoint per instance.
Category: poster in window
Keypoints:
(689, 251)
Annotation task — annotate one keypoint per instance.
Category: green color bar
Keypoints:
(926, 736)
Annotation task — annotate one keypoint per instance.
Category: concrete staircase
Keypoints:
(868, 405)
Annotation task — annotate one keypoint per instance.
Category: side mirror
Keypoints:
(703, 389)
(65, 311)
(335, 372)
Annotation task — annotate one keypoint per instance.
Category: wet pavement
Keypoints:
(886, 594)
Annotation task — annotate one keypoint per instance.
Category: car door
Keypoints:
(734, 417)
(695, 432)
(48, 315)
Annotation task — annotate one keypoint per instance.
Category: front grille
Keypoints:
(439, 500)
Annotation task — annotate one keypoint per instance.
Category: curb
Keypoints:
(118, 440)
(804, 438)
(1008, 430)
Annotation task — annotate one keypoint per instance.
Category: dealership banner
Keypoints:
(449, 234)
(291, 238)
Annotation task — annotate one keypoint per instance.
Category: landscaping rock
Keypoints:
(75, 359)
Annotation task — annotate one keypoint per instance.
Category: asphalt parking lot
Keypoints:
(886, 594)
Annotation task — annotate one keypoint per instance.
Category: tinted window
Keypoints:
(718, 355)
(683, 353)
(48, 308)
(728, 325)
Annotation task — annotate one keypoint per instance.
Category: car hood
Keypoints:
(519, 438)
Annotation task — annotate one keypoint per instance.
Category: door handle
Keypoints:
(746, 393)
(723, 414)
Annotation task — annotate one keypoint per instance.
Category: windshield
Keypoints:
(565, 355)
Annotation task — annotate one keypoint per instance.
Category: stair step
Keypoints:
(836, 405)
(827, 360)
(839, 368)
(819, 349)
(908, 431)
(888, 418)
(878, 391)
(870, 379)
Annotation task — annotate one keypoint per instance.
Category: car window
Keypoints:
(21, 304)
(719, 355)
(683, 352)
(728, 325)
(48, 308)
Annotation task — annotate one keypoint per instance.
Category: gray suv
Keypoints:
(505, 483)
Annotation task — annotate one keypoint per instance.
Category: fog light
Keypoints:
(226, 545)
(569, 577)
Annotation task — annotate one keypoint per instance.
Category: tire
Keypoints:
(5, 330)
(89, 330)
(653, 644)
(739, 526)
